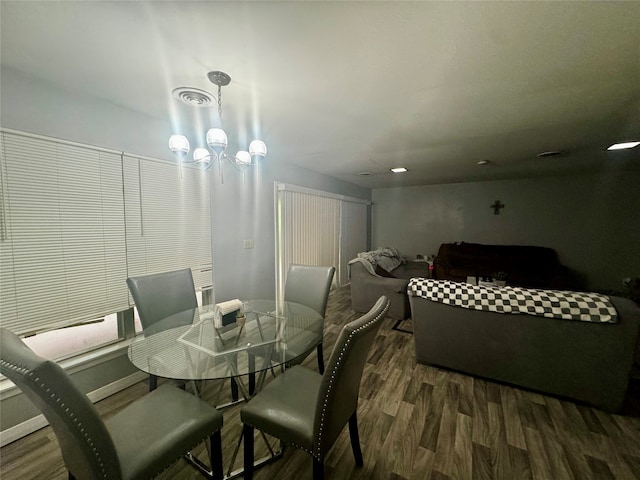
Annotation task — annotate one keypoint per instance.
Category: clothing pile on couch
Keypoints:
(380, 262)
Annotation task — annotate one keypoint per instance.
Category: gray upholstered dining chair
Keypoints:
(159, 295)
(309, 410)
(309, 285)
(138, 442)
(162, 294)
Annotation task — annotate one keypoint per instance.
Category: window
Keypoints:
(76, 221)
(63, 244)
(317, 228)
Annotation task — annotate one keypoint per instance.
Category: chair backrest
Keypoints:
(87, 448)
(309, 285)
(338, 395)
(162, 294)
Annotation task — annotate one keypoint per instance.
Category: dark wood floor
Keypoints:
(418, 422)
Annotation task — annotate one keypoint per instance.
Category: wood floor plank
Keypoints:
(401, 454)
(413, 432)
(519, 461)
(390, 400)
(422, 465)
(480, 433)
(481, 460)
(540, 466)
(513, 426)
(591, 420)
(599, 469)
(443, 461)
(417, 422)
(500, 462)
(433, 420)
(462, 450)
(577, 462)
(465, 403)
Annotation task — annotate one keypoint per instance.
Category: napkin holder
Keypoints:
(225, 313)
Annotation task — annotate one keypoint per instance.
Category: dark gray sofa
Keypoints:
(588, 362)
(367, 287)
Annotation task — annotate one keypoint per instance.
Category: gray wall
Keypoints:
(592, 221)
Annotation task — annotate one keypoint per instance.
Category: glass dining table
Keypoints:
(200, 344)
(194, 345)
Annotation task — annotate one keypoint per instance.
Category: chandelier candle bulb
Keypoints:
(201, 155)
(258, 148)
(179, 145)
(243, 157)
(216, 139)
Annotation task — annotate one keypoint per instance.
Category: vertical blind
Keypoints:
(317, 228)
(67, 236)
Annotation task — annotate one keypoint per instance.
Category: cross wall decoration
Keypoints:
(496, 207)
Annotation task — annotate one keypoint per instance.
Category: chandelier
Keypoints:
(216, 138)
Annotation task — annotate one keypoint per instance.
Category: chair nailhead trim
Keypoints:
(40, 384)
(318, 453)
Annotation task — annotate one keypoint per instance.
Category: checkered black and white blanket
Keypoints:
(587, 307)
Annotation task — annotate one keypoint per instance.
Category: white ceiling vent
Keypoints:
(194, 96)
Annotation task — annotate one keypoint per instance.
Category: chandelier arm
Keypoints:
(231, 160)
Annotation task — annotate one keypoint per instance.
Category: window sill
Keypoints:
(75, 364)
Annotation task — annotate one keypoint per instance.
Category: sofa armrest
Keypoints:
(367, 288)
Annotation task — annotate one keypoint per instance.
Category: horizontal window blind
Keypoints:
(76, 221)
(62, 249)
(168, 219)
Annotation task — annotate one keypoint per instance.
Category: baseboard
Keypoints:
(36, 423)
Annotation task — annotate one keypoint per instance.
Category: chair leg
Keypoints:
(320, 358)
(215, 455)
(355, 439)
(252, 375)
(153, 383)
(318, 469)
(247, 434)
(234, 389)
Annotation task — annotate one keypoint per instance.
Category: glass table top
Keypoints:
(193, 345)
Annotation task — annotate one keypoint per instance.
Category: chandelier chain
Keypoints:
(220, 103)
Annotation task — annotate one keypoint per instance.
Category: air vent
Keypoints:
(194, 96)
(364, 174)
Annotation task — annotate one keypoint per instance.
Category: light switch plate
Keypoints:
(248, 244)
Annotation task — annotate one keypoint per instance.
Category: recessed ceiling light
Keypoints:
(622, 146)
(483, 162)
(398, 170)
(552, 153)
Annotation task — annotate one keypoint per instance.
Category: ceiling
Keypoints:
(349, 87)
